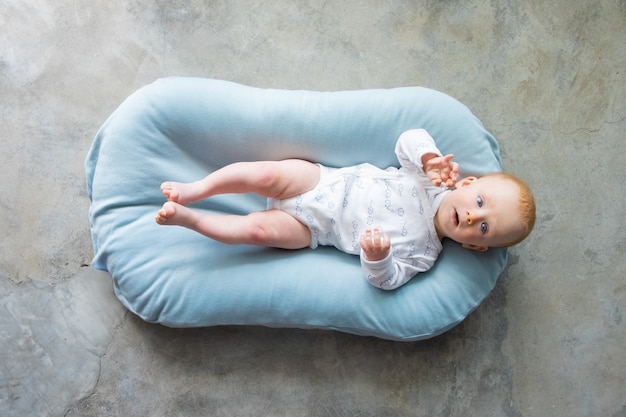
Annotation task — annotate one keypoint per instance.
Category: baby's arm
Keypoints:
(441, 169)
(417, 152)
(380, 268)
(376, 260)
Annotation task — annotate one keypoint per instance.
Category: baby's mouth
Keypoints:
(455, 218)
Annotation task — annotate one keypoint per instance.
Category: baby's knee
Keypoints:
(268, 175)
(259, 233)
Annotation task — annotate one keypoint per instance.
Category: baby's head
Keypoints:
(495, 210)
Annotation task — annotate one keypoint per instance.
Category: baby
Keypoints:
(395, 219)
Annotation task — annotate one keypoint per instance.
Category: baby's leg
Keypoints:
(271, 228)
(276, 179)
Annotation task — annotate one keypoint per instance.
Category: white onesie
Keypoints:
(400, 201)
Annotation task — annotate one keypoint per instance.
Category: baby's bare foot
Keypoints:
(181, 192)
(171, 190)
(167, 214)
(175, 214)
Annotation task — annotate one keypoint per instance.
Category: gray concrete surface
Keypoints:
(547, 78)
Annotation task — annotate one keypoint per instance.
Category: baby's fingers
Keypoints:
(374, 237)
(447, 158)
(375, 244)
(449, 171)
(454, 174)
(367, 240)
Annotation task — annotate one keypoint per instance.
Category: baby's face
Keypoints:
(481, 213)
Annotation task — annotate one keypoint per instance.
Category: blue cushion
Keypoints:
(182, 128)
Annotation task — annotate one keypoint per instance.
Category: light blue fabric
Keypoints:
(182, 128)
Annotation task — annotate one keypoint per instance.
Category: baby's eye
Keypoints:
(479, 201)
(484, 228)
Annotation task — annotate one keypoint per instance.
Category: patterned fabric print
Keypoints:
(400, 201)
(347, 201)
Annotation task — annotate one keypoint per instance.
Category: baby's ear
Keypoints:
(474, 247)
(465, 182)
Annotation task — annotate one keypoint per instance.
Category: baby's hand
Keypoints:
(441, 170)
(375, 245)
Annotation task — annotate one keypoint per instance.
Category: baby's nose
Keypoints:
(471, 218)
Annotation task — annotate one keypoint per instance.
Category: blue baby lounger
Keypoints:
(180, 129)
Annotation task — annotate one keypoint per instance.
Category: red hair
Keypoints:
(526, 204)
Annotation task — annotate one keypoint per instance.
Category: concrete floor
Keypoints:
(547, 78)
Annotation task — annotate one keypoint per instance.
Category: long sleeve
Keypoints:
(390, 273)
(416, 252)
(412, 145)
